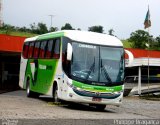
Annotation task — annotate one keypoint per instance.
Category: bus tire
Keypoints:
(55, 93)
(100, 107)
(28, 90)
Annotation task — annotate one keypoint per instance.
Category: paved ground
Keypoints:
(15, 105)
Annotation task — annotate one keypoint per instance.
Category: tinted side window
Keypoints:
(49, 49)
(36, 50)
(42, 49)
(25, 50)
(31, 47)
(56, 52)
(65, 62)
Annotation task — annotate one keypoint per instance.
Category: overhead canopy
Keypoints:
(141, 57)
(11, 43)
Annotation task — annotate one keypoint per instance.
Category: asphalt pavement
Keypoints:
(16, 106)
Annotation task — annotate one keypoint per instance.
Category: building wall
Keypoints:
(9, 70)
(10, 51)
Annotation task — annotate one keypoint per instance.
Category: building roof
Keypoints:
(141, 57)
(11, 43)
(142, 53)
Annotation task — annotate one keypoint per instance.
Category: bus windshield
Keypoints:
(98, 65)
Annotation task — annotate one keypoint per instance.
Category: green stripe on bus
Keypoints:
(94, 88)
(50, 36)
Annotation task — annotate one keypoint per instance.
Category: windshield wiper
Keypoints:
(105, 73)
(120, 68)
(91, 69)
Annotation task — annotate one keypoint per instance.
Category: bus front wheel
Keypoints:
(55, 94)
(100, 107)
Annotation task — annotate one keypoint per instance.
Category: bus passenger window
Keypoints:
(31, 47)
(56, 53)
(49, 49)
(36, 50)
(25, 50)
(42, 49)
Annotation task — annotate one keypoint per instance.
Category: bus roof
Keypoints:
(81, 36)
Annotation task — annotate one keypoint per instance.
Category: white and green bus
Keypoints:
(76, 66)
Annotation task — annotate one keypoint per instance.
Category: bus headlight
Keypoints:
(69, 83)
(118, 92)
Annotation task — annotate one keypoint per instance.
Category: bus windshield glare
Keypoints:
(98, 65)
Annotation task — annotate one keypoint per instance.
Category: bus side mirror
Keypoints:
(69, 52)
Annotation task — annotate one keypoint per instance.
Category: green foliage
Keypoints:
(7, 28)
(67, 26)
(18, 33)
(98, 29)
(42, 28)
(139, 39)
(53, 29)
(157, 43)
(126, 44)
(110, 32)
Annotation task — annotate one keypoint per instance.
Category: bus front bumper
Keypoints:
(74, 97)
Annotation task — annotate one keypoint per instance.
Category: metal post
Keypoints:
(139, 81)
(148, 60)
(51, 19)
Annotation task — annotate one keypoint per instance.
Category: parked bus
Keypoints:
(76, 66)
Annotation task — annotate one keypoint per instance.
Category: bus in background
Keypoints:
(76, 66)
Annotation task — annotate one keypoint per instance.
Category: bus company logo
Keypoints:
(87, 46)
(44, 67)
(109, 89)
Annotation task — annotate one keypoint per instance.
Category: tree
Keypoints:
(139, 39)
(42, 28)
(67, 26)
(33, 28)
(53, 29)
(110, 32)
(98, 29)
(8, 28)
(157, 41)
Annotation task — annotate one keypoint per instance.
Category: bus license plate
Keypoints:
(96, 99)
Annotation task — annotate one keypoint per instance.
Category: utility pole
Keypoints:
(51, 19)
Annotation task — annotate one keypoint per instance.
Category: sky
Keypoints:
(123, 16)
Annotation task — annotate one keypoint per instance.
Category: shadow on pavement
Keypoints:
(74, 106)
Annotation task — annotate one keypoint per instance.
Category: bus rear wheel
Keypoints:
(29, 92)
